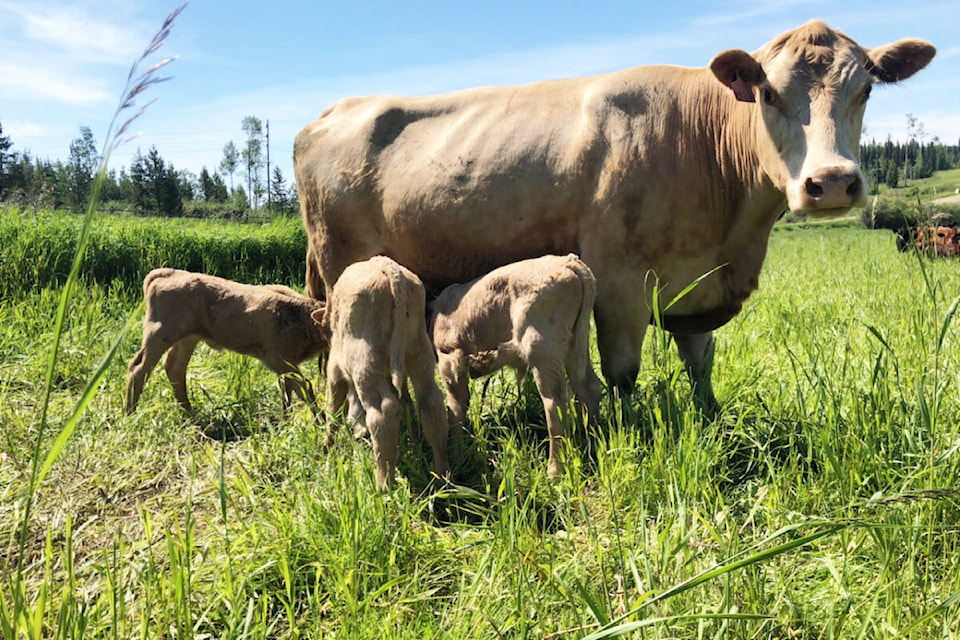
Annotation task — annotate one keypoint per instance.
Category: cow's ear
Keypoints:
(318, 315)
(738, 70)
(900, 60)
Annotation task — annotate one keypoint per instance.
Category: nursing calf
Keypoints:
(271, 323)
(378, 337)
(534, 313)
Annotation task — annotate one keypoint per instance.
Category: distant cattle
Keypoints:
(533, 313)
(931, 239)
(272, 323)
(378, 337)
(653, 175)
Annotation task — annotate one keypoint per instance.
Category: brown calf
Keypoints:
(534, 313)
(378, 337)
(272, 323)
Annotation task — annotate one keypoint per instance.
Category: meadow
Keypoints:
(821, 502)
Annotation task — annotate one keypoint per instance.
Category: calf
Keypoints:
(534, 313)
(378, 336)
(273, 323)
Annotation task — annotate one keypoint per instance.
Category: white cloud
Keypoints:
(21, 81)
(20, 129)
(75, 33)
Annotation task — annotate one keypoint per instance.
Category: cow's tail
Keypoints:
(581, 326)
(398, 332)
(153, 275)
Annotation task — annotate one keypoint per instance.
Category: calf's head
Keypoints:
(810, 87)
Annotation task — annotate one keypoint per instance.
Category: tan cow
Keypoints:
(653, 174)
(378, 336)
(272, 323)
(533, 313)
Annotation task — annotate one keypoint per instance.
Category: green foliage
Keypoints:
(885, 212)
(36, 249)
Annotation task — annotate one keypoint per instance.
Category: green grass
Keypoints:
(841, 419)
(940, 184)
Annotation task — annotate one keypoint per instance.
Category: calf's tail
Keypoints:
(581, 326)
(398, 332)
(162, 272)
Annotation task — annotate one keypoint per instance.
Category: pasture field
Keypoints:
(821, 503)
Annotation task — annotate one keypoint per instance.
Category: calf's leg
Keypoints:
(586, 385)
(155, 343)
(337, 388)
(547, 369)
(453, 372)
(382, 408)
(430, 404)
(175, 364)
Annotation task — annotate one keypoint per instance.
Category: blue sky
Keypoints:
(63, 65)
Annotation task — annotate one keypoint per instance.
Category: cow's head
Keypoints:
(810, 86)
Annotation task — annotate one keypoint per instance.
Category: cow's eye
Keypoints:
(866, 92)
(771, 98)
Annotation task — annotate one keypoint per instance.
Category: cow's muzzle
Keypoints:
(832, 190)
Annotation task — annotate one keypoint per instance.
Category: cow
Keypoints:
(530, 314)
(654, 176)
(378, 336)
(272, 323)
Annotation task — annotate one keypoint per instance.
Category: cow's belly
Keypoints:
(458, 246)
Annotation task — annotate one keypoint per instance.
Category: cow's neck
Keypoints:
(748, 204)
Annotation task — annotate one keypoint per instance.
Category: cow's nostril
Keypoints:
(813, 189)
(853, 189)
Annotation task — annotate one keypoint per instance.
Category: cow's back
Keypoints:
(516, 166)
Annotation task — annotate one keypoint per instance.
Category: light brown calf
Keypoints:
(534, 313)
(378, 337)
(272, 323)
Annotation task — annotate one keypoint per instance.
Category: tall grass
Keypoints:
(37, 249)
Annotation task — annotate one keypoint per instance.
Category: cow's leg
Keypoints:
(175, 364)
(155, 343)
(696, 352)
(433, 416)
(382, 407)
(622, 321)
(453, 372)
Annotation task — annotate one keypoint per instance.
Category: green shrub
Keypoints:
(892, 213)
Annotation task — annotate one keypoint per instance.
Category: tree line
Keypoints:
(151, 186)
(895, 164)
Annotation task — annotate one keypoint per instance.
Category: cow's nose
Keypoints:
(832, 187)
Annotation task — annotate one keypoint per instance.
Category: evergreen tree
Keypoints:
(278, 192)
(6, 160)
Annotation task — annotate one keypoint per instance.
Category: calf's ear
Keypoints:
(739, 71)
(900, 60)
(318, 315)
